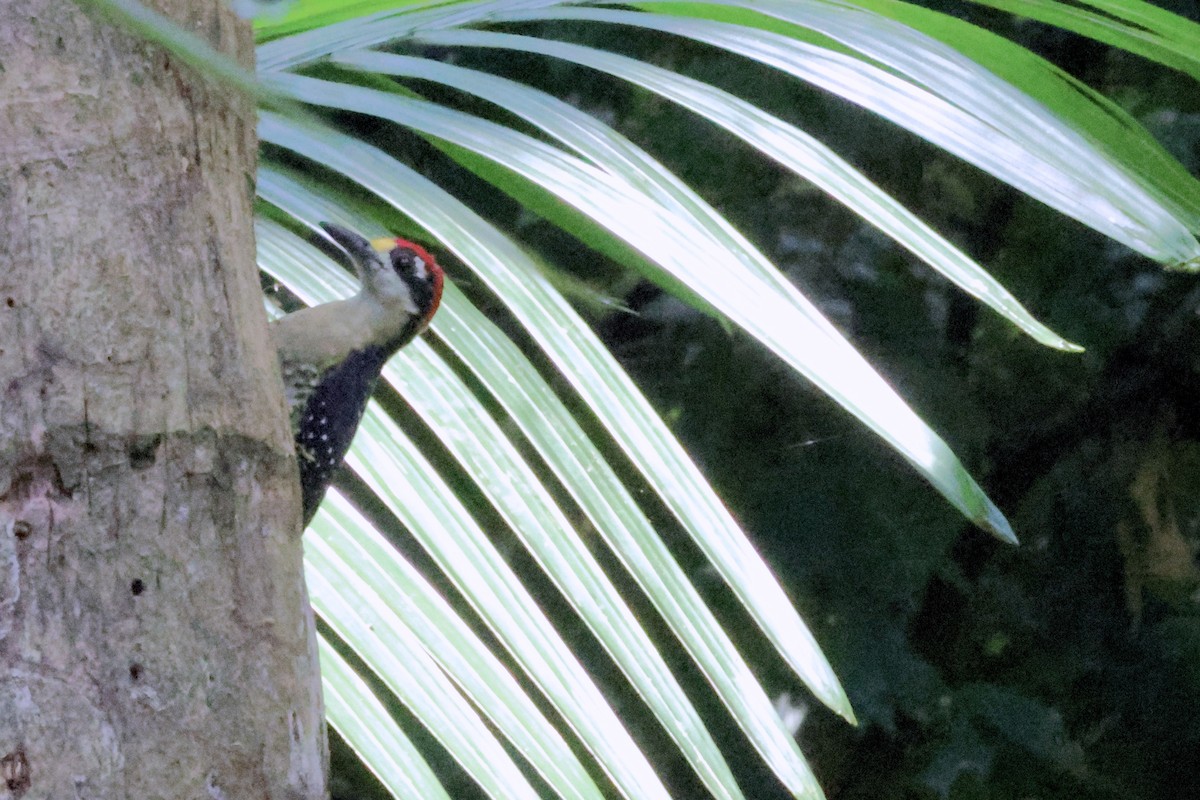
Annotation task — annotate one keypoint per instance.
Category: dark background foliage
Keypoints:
(1068, 667)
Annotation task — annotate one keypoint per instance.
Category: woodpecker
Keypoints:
(331, 355)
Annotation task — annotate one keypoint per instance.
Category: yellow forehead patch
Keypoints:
(383, 245)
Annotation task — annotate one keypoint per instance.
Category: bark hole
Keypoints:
(143, 451)
(14, 767)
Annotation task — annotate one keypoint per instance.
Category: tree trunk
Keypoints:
(155, 634)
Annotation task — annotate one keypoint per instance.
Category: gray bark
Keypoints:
(155, 635)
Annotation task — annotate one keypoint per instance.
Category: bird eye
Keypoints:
(408, 264)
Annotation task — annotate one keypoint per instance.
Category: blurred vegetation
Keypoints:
(1069, 667)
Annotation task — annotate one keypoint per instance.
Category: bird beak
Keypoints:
(359, 248)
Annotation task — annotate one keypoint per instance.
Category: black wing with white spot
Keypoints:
(330, 418)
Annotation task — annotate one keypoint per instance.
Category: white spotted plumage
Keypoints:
(401, 286)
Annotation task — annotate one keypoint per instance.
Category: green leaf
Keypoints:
(1103, 122)
(356, 713)
(317, 14)
(1133, 25)
(1023, 721)
(593, 484)
(588, 366)
(1022, 144)
(342, 543)
(774, 137)
(678, 243)
(469, 433)
(315, 44)
(475, 440)
(360, 617)
(410, 487)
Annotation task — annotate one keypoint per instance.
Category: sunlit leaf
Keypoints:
(1063, 170)
(773, 136)
(584, 473)
(355, 713)
(342, 541)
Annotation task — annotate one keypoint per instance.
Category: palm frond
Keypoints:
(521, 438)
(1133, 25)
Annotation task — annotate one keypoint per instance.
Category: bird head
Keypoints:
(396, 273)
